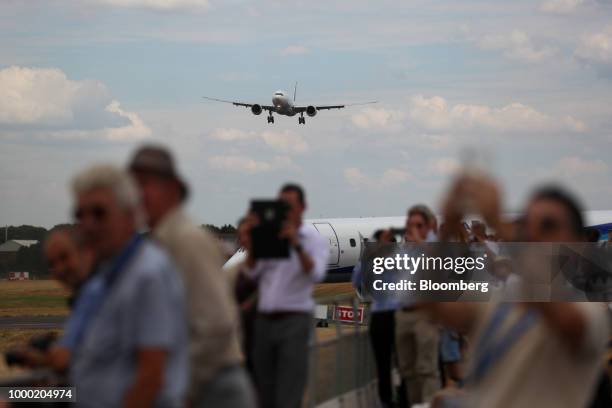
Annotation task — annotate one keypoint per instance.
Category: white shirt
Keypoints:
(284, 286)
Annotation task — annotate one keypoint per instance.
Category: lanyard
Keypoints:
(122, 260)
(488, 356)
(94, 294)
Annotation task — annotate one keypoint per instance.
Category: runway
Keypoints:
(322, 290)
(32, 322)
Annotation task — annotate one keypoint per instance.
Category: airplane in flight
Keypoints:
(346, 238)
(283, 105)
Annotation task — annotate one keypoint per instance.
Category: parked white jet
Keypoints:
(346, 238)
(282, 105)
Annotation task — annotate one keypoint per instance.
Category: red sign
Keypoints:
(19, 276)
(345, 314)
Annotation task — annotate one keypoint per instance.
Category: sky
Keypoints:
(521, 89)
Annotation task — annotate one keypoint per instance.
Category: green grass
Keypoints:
(17, 302)
(32, 298)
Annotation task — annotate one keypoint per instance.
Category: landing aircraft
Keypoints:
(282, 105)
(347, 236)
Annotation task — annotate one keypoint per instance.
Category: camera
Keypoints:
(265, 235)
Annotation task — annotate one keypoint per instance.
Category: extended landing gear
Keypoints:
(302, 120)
(270, 118)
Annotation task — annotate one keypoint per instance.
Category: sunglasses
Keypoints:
(97, 212)
(549, 225)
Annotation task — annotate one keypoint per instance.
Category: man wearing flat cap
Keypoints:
(217, 377)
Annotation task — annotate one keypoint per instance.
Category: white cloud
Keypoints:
(157, 4)
(571, 169)
(517, 45)
(575, 166)
(285, 141)
(575, 124)
(230, 134)
(597, 48)
(294, 50)
(432, 141)
(444, 166)
(431, 113)
(390, 177)
(560, 6)
(436, 114)
(43, 96)
(370, 118)
(244, 164)
(44, 99)
(587, 177)
(134, 131)
(356, 178)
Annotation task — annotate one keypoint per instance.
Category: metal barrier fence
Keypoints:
(342, 368)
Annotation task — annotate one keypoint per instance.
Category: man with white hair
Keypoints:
(127, 334)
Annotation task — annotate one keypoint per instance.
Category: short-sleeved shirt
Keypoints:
(143, 309)
(385, 302)
(284, 286)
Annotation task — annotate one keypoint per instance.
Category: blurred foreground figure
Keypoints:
(529, 354)
(217, 376)
(381, 329)
(70, 261)
(127, 333)
(417, 337)
(285, 307)
(245, 292)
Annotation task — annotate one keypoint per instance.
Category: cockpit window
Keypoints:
(279, 93)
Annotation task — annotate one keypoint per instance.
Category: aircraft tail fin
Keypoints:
(295, 91)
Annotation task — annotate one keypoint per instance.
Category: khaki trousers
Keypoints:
(417, 341)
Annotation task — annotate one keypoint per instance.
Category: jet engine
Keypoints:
(256, 109)
(311, 111)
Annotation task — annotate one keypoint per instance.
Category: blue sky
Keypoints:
(526, 83)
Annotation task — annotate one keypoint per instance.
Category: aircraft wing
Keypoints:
(300, 109)
(237, 103)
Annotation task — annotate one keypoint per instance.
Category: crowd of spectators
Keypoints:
(157, 322)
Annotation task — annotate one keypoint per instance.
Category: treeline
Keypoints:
(28, 259)
(31, 259)
(22, 232)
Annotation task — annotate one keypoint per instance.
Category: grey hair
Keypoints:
(108, 176)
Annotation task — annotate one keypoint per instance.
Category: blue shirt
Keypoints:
(383, 303)
(143, 309)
